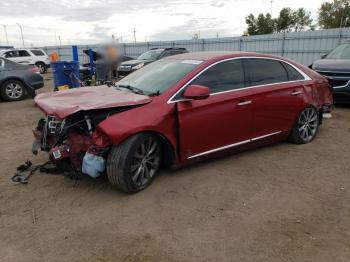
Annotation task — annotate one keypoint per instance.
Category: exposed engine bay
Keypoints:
(75, 144)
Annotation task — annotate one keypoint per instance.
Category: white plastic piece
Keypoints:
(327, 115)
(93, 165)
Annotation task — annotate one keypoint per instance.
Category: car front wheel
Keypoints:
(13, 90)
(306, 126)
(132, 165)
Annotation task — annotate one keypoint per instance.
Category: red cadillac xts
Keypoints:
(178, 110)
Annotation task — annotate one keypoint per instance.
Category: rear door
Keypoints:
(277, 90)
(221, 121)
(24, 57)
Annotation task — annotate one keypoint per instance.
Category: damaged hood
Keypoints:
(64, 103)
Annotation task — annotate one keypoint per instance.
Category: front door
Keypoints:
(221, 121)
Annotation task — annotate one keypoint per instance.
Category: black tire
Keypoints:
(42, 67)
(133, 165)
(13, 90)
(306, 126)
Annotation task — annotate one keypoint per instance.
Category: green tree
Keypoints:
(286, 20)
(335, 14)
(263, 24)
(252, 25)
(302, 20)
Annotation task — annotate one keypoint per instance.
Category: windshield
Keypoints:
(157, 77)
(341, 52)
(150, 55)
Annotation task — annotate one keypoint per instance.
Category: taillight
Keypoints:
(35, 70)
(100, 139)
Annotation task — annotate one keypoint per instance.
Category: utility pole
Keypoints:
(55, 37)
(20, 27)
(7, 40)
(134, 35)
(271, 7)
(59, 38)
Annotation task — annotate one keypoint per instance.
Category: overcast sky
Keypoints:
(94, 21)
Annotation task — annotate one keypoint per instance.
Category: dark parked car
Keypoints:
(336, 67)
(154, 54)
(179, 110)
(17, 81)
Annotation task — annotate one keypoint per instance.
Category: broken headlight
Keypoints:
(54, 126)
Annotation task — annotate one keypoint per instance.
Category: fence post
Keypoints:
(283, 43)
(124, 49)
(240, 43)
(340, 36)
(202, 45)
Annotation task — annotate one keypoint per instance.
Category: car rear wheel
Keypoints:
(306, 126)
(132, 165)
(13, 90)
(42, 67)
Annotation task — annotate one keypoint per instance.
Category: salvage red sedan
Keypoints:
(179, 110)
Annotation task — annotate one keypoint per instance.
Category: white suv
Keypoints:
(31, 56)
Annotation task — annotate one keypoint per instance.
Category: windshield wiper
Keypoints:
(132, 89)
(155, 93)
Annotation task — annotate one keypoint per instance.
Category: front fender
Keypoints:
(145, 118)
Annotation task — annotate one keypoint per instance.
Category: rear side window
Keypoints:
(22, 53)
(293, 74)
(222, 77)
(265, 71)
(37, 52)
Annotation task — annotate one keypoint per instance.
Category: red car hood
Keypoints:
(64, 103)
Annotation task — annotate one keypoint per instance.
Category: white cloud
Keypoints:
(88, 21)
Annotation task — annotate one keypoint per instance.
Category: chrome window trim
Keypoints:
(334, 72)
(234, 145)
(306, 77)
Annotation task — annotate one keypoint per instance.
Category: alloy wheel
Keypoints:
(308, 124)
(41, 68)
(145, 162)
(14, 90)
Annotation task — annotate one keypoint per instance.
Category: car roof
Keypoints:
(168, 48)
(212, 55)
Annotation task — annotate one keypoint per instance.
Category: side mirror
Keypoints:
(324, 56)
(196, 92)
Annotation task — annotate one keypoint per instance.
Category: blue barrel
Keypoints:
(65, 74)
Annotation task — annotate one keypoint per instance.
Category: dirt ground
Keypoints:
(279, 203)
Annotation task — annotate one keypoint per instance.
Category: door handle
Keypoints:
(243, 103)
(296, 93)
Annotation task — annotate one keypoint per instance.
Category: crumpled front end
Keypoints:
(74, 144)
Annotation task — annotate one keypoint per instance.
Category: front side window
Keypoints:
(166, 53)
(224, 76)
(265, 71)
(2, 62)
(22, 53)
(11, 54)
